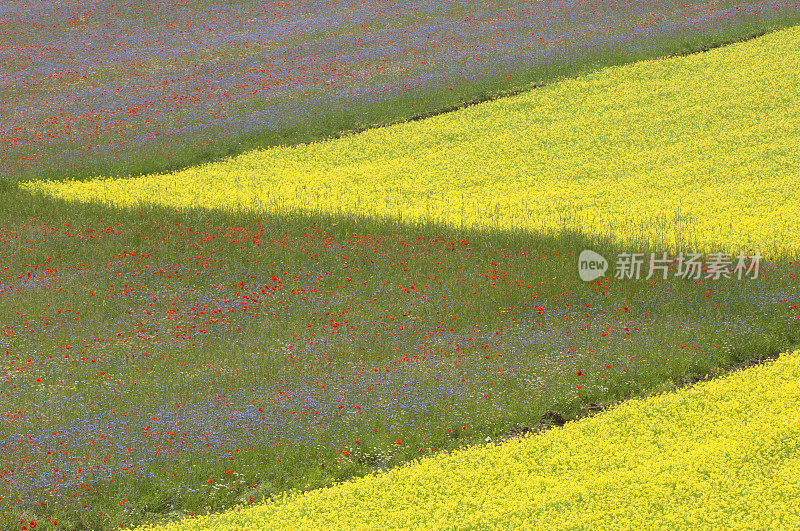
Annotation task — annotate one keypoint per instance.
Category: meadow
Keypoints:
(117, 88)
(221, 334)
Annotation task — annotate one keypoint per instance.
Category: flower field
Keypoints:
(309, 334)
(568, 156)
(112, 87)
(703, 456)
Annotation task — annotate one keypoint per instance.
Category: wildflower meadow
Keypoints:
(217, 312)
(119, 88)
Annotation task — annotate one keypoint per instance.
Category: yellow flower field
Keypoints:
(694, 151)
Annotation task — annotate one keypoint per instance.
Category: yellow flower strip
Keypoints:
(696, 149)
